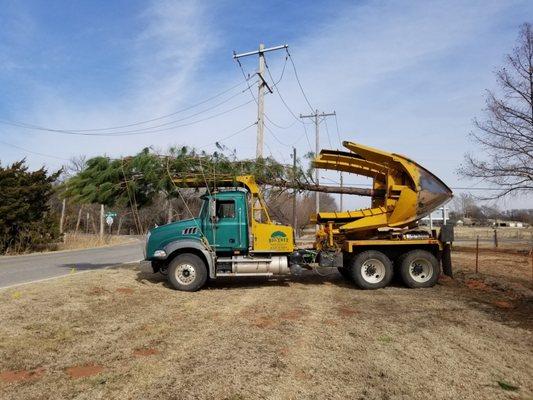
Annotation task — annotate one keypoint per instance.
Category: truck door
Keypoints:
(226, 233)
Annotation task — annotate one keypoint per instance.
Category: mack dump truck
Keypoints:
(235, 236)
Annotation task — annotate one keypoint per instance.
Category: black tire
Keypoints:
(371, 269)
(182, 267)
(419, 269)
(346, 273)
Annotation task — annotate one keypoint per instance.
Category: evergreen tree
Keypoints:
(25, 218)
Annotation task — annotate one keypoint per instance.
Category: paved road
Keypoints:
(15, 270)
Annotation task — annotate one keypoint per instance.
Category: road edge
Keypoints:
(68, 274)
(44, 253)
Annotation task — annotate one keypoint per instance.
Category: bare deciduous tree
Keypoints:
(506, 134)
(75, 165)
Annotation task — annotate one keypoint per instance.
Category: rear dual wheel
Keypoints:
(419, 269)
(371, 269)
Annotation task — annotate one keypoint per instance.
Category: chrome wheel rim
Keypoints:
(185, 274)
(373, 270)
(420, 270)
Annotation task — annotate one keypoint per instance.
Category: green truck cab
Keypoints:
(189, 251)
(226, 232)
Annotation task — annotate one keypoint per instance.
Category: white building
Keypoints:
(438, 217)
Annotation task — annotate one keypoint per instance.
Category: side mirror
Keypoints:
(212, 210)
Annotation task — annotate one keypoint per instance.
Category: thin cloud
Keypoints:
(407, 78)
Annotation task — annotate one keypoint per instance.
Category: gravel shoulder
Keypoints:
(119, 333)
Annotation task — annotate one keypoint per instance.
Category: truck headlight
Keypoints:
(160, 254)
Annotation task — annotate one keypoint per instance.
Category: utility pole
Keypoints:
(315, 117)
(62, 219)
(101, 221)
(260, 91)
(294, 192)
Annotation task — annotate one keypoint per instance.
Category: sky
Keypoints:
(403, 76)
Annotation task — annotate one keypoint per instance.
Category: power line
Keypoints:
(281, 97)
(33, 152)
(65, 159)
(181, 119)
(184, 118)
(275, 136)
(261, 89)
(338, 132)
(186, 124)
(272, 155)
(229, 136)
(299, 83)
(290, 111)
(306, 137)
(274, 85)
(327, 132)
(146, 129)
(315, 115)
(16, 123)
(474, 188)
(136, 132)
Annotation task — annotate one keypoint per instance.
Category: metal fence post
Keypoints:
(477, 254)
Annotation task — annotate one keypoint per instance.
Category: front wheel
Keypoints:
(187, 272)
(419, 269)
(371, 269)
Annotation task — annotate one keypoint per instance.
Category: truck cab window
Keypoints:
(225, 209)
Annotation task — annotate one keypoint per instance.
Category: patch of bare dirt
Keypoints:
(477, 284)
(84, 371)
(97, 291)
(21, 375)
(145, 352)
(264, 322)
(125, 290)
(345, 311)
(293, 315)
(506, 305)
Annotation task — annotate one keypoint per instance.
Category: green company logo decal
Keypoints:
(278, 237)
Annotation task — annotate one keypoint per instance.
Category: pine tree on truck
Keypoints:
(234, 236)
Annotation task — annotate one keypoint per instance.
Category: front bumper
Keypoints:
(147, 267)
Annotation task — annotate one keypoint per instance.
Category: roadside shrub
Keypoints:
(25, 218)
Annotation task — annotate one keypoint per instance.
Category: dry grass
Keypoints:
(122, 334)
(506, 267)
(508, 238)
(86, 241)
(485, 232)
